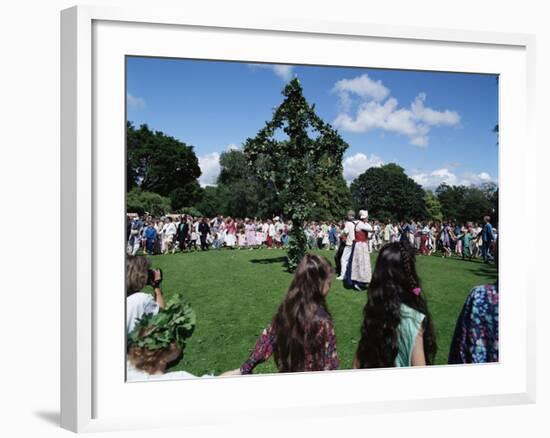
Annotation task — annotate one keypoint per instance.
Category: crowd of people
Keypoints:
(397, 328)
(174, 233)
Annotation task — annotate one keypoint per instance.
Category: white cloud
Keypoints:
(432, 179)
(134, 103)
(436, 177)
(210, 166)
(378, 110)
(477, 178)
(362, 86)
(210, 169)
(285, 72)
(356, 164)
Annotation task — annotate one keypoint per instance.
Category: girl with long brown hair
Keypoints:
(301, 334)
(397, 328)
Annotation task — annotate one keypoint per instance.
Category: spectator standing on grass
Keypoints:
(424, 237)
(340, 250)
(301, 334)
(270, 234)
(333, 236)
(446, 239)
(250, 233)
(169, 233)
(159, 247)
(397, 327)
(230, 233)
(465, 239)
(487, 239)
(388, 231)
(204, 230)
(457, 231)
(183, 233)
(150, 238)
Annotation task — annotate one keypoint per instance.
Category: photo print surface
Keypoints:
(292, 218)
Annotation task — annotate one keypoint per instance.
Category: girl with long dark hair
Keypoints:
(397, 327)
(301, 334)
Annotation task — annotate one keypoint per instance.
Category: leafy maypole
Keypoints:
(312, 149)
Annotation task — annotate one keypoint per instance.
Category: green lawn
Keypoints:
(236, 292)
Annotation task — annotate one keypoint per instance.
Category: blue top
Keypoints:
(410, 325)
(150, 233)
(487, 234)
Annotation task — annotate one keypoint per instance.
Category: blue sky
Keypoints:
(438, 126)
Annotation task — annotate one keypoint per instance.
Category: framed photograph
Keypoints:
(326, 206)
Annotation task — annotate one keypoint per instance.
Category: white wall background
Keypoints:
(29, 213)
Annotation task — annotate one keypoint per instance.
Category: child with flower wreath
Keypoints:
(158, 340)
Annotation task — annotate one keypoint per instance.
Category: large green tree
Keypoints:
(210, 204)
(433, 206)
(186, 196)
(468, 203)
(159, 163)
(332, 198)
(312, 148)
(140, 202)
(388, 193)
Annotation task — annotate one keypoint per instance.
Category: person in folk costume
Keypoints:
(349, 235)
(358, 271)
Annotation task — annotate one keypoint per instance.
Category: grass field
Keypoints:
(236, 292)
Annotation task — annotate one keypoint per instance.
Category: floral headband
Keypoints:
(416, 291)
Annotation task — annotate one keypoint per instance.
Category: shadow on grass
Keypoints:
(268, 261)
(485, 271)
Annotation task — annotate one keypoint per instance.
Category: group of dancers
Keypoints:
(175, 233)
(186, 233)
(359, 237)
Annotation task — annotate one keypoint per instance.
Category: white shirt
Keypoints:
(349, 229)
(137, 305)
(170, 229)
(364, 226)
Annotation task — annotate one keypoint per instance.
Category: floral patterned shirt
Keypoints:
(264, 349)
(475, 338)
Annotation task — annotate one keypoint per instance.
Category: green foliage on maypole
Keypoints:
(311, 150)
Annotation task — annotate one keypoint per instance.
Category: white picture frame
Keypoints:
(94, 42)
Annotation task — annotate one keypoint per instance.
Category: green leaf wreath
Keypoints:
(175, 323)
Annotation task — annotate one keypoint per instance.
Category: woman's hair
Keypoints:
(153, 361)
(300, 315)
(137, 269)
(393, 281)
